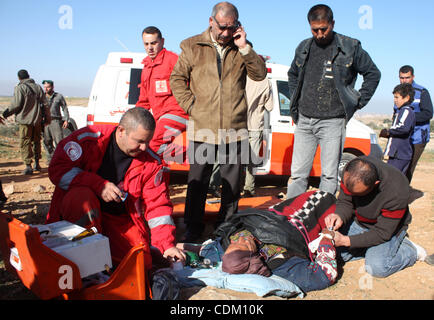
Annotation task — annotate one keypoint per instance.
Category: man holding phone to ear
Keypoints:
(209, 81)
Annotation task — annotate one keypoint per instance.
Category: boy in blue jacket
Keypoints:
(399, 148)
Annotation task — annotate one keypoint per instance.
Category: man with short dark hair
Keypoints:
(323, 99)
(209, 83)
(423, 110)
(156, 95)
(28, 96)
(53, 132)
(107, 177)
(372, 217)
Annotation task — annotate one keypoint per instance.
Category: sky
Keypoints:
(67, 40)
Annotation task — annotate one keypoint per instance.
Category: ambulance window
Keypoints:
(134, 91)
(282, 88)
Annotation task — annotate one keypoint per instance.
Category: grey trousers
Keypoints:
(53, 133)
(329, 134)
(255, 140)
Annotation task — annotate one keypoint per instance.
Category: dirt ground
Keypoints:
(30, 199)
(29, 202)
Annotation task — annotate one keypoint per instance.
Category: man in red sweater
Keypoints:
(372, 217)
(156, 95)
(107, 177)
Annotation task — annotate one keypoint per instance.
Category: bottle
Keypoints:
(192, 259)
(85, 233)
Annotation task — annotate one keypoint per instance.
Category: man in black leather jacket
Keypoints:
(323, 99)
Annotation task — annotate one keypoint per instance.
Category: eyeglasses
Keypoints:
(229, 28)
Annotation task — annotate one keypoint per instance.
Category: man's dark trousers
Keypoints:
(201, 158)
(417, 152)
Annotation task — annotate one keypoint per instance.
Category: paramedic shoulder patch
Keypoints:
(161, 86)
(158, 178)
(73, 150)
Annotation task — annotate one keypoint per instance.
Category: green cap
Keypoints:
(47, 81)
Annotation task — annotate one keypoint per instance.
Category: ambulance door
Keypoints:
(115, 91)
(103, 97)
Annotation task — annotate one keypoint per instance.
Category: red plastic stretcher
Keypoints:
(39, 268)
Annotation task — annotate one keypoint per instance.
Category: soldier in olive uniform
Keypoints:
(53, 132)
(26, 105)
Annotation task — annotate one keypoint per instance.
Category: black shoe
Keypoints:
(214, 193)
(28, 170)
(248, 194)
(430, 259)
(37, 167)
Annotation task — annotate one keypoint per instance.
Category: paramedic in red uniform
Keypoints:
(156, 95)
(106, 176)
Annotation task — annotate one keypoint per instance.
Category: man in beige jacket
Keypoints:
(209, 82)
(259, 99)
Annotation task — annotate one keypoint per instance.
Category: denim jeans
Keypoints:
(381, 260)
(329, 134)
(305, 274)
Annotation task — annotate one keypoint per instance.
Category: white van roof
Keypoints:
(277, 71)
(132, 59)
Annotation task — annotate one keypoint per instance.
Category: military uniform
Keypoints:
(26, 106)
(53, 132)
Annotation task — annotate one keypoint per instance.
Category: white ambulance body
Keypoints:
(115, 90)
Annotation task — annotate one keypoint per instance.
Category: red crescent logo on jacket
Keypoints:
(158, 178)
(73, 150)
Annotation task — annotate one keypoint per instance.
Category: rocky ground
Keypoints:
(29, 198)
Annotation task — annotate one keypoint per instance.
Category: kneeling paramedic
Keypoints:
(107, 177)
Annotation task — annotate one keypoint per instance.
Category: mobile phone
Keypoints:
(238, 26)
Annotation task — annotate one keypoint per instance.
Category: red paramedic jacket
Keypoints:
(155, 92)
(78, 157)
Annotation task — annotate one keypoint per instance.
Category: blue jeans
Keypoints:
(381, 260)
(329, 134)
(306, 275)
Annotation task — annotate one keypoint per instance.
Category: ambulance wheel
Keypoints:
(346, 157)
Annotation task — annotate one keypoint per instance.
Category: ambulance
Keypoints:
(116, 89)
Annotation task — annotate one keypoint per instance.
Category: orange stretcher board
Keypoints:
(212, 209)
